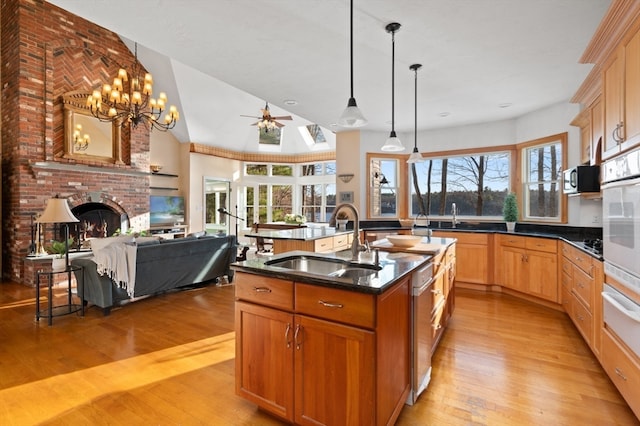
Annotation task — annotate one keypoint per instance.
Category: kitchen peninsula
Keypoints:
(321, 339)
(317, 239)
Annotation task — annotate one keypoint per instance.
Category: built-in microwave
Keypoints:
(581, 179)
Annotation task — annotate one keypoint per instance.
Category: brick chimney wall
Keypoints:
(46, 52)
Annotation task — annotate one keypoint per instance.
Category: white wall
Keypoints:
(538, 124)
(352, 147)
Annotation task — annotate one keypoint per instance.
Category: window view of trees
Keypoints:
(384, 187)
(477, 184)
(543, 170)
(271, 191)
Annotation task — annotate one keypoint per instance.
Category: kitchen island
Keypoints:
(330, 349)
(320, 239)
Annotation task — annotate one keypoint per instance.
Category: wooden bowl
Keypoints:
(404, 240)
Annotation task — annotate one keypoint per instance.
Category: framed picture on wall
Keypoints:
(346, 197)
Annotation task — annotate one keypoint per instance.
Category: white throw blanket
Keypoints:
(118, 261)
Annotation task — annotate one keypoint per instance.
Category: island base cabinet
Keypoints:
(264, 358)
(279, 353)
(334, 374)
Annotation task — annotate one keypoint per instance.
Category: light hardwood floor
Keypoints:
(169, 360)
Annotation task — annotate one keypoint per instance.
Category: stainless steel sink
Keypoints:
(326, 267)
(353, 272)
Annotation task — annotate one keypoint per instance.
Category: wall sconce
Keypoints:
(155, 168)
(80, 143)
(346, 177)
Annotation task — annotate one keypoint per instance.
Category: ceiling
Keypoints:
(483, 60)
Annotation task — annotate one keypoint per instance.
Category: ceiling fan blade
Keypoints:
(278, 124)
(284, 117)
(250, 116)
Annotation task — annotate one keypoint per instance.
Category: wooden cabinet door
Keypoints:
(511, 261)
(632, 93)
(613, 98)
(542, 275)
(596, 132)
(334, 373)
(264, 358)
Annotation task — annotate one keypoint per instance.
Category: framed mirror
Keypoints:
(86, 137)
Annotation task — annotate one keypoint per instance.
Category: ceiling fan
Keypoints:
(268, 122)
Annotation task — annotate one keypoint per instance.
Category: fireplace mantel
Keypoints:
(52, 165)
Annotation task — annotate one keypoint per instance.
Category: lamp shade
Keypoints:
(415, 156)
(57, 211)
(393, 143)
(351, 116)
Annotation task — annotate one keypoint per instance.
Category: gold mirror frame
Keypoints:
(75, 103)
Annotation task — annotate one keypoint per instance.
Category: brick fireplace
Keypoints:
(47, 52)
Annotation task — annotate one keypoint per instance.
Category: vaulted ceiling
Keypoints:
(483, 60)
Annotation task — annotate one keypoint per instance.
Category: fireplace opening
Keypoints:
(96, 220)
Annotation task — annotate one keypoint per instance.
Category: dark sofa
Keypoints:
(162, 265)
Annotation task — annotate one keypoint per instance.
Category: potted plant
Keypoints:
(341, 220)
(510, 211)
(59, 248)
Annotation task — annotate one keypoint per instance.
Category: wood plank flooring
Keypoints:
(169, 360)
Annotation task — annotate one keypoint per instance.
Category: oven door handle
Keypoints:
(631, 314)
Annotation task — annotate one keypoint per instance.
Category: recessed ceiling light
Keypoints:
(505, 105)
(445, 114)
(290, 102)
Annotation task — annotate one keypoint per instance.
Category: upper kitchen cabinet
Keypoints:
(621, 87)
(590, 123)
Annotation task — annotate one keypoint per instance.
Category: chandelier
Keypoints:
(80, 141)
(128, 100)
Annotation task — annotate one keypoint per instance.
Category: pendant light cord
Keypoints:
(415, 108)
(351, 45)
(393, 80)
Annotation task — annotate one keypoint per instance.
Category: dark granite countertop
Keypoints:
(394, 266)
(573, 235)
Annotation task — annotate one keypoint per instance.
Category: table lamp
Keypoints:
(57, 211)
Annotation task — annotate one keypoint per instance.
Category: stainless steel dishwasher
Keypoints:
(421, 307)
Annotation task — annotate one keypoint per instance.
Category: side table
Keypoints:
(69, 307)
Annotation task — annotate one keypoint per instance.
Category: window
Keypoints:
(476, 183)
(542, 165)
(384, 188)
(273, 190)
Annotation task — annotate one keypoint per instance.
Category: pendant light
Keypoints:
(415, 156)
(352, 117)
(393, 143)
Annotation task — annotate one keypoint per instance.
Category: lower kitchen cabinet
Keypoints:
(475, 249)
(326, 356)
(623, 368)
(582, 278)
(529, 265)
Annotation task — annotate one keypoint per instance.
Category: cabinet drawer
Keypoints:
(623, 370)
(584, 261)
(264, 290)
(583, 286)
(582, 319)
(567, 267)
(438, 289)
(323, 245)
(335, 305)
(512, 241)
(542, 244)
(438, 320)
(340, 242)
